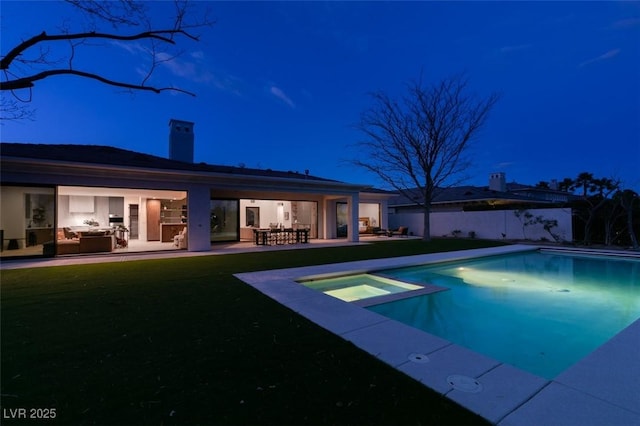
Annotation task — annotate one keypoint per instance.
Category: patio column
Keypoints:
(384, 214)
(353, 208)
(198, 222)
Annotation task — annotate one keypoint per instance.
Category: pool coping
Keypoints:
(602, 388)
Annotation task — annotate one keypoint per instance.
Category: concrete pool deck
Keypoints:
(602, 388)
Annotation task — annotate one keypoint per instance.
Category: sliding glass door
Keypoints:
(224, 220)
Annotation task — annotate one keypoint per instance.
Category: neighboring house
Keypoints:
(75, 199)
(495, 211)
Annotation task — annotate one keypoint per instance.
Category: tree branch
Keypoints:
(162, 35)
(27, 82)
(10, 109)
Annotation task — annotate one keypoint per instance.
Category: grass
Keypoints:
(181, 341)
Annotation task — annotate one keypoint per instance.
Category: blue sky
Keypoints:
(280, 84)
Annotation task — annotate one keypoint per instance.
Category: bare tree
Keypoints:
(418, 144)
(33, 60)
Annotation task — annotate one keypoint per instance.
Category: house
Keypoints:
(75, 199)
(496, 211)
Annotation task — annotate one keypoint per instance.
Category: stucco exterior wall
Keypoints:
(412, 220)
(12, 224)
(199, 229)
(493, 225)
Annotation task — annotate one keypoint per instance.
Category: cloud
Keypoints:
(504, 165)
(197, 54)
(226, 83)
(626, 23)
(133, 48)
(142, 72)
(199, 73)
(608, 55)
(177, 66)
(278, 93)
(191, 67)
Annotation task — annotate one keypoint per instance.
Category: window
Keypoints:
(342, 219)
(253, 216)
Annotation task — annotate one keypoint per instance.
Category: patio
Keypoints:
(216, 249)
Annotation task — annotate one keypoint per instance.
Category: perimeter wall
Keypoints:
(492, 225)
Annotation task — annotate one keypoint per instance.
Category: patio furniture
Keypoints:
(290, 235)
(302, 236)
(277, 236)
(379, 232)
(402, 231)
(262, 237)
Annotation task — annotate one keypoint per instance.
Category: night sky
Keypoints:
(281, 85)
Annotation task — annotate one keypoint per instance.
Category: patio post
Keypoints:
(199, 227)
(353, 213)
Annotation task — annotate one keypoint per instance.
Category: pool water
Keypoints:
(538, 311)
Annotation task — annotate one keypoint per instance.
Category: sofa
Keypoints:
(75, 241)
(68, 247)
(96, 244)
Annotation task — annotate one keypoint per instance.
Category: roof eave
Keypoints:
(64, 167)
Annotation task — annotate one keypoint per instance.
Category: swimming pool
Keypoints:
(600, 388)
(538, 311)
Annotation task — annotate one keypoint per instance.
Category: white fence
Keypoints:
(492, 225)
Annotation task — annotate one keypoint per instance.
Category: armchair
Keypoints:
(180, 240)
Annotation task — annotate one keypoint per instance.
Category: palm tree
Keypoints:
(566, 185)
(584, 181)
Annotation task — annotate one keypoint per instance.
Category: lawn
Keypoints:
(181, 341)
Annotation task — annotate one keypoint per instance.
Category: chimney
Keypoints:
(498, 182)
(553, 184)
(181, 140)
